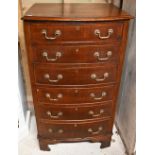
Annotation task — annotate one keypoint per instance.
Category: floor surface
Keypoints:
(28, 145)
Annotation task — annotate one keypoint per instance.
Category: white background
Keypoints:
(145, 77)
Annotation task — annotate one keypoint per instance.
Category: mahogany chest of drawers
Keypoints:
(75, 55)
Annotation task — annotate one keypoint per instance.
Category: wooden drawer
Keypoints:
(61, 75)
(56, 112)
(74, 95)
(61, 32)
(75, 130)
(76, 54)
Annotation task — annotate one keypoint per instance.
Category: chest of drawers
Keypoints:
(75, 54)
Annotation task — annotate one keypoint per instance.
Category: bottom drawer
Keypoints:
(74, 130)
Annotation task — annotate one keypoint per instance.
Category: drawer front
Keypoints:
(76, 54)
(74, 130)
(74, 95)
(49, 33)
(54, 75)
(55, 112)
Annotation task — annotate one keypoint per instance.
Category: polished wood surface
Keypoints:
(75, 12)
(83, 112)
(83, 32)
(78, 54)
(77, 95)
(75, 90)
(74, 130)
(74, 75)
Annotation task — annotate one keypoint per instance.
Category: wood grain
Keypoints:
(98, 110)
(74, 96)
(83, 32)
(74, 130)
(78, 75)
(76, 54)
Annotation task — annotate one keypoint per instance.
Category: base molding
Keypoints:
(44, 142)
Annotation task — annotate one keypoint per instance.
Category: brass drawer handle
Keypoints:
(56, 34)
(98, 98)
(59, 131)
(59, 96)
(59, 114)
(59, 77)
(108, 55)
(98, 33)
(91, 112)
(57, 55)
(94, 77)
(50, 130)
(90, 130)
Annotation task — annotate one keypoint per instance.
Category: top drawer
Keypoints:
(71, 32)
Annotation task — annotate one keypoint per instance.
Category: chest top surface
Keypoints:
(75, 12)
